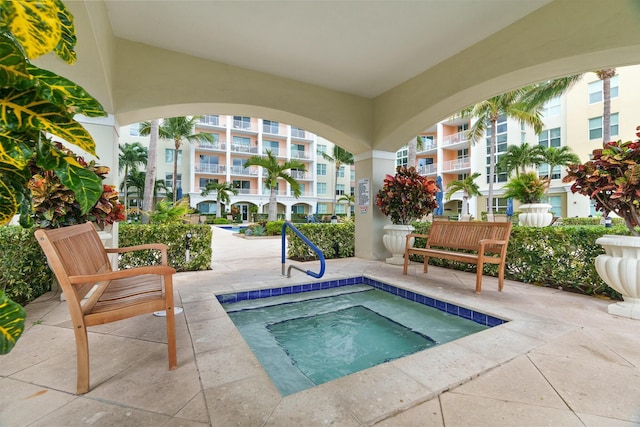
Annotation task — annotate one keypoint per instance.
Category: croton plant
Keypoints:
(612, 179)
(407, 196)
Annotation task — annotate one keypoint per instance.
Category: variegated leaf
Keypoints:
(8, 204)
(13, 66)
(11, 156)
(67, 43)
(86, 185)
(35, 24)
(12, 317)
(61, 91)
(20, 110)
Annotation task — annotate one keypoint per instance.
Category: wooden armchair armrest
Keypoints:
(158, 246)
(120, 274)
(410, 235)
(485, 242)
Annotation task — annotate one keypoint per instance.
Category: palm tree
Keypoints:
(131, 156)
(468, 187)
(562, 156)
(222, 190)
(412, 147)
(339, 157)
(275, 171)
(349, 200)
(151, 129)
(522, 104)
(177, 129)
(518, 157)
(605, 75)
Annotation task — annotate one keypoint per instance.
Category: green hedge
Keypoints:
(594, 220)
(334, 240)
(174, 236)
(560, 257)
(24, 273)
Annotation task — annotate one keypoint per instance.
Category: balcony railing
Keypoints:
(217, 145)
(205, 168)
(301, 175)
(274, 151)
(299, 133)
(296, 154)
(431, 169)
(458, 164)
(428, 145)
(455, 138)
(240, 170)
(242, 148)
(211, 121)
(242, 125)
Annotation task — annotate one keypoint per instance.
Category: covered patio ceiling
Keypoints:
(368, 75)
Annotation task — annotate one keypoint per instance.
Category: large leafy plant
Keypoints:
(612, 179)
(35, 102)
(526, 188)
(407, 196)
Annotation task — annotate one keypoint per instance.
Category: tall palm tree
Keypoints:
(135, 180)
(605, 75)
(339, 157)
(151, 129)
(412, 147)
(468, 187)
(130, 158)
(349, 200)
(275, 171)
(222, 190)
(524, 104)
(562, 156)
(518, 157)
(179, 129)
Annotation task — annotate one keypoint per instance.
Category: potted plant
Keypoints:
(404, 198)
(612, 179)
(528, 189)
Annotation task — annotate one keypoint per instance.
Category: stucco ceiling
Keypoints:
(359, 47)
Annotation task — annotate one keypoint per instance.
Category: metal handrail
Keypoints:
(308, 242)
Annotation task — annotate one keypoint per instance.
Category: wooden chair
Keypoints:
(80, 263)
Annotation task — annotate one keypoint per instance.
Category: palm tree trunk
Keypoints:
(219, 207)
(175, 171)
(412, 148)
(606, 75)
(124, 191)
(273, 205)
(150, 178)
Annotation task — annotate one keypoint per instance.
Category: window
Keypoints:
(499, 204)
(551, 108)
(202, 182)
(322, 148)
(168, 181)
(462, 176)
(352, 174)
(321, 170)
(500, 147)
(210, 120)
(322, 188)
(297, 132)
(556, 205)
(402, 156)
(595, 90)
(297, 151)
(168, 156)
(238, 166)
(272, 146)
(550, 138)
(134, 129)
(208, 160)
(341, 171)
(341, 208)
(297, 209)
(339, 189)
(241, 122)
(595, 126)
(208, 208)
(463, 154)
(322, 208)
(243, 187)
(269, 126)
(302, 189)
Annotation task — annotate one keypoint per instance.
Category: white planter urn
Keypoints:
(535, 215)
(619, 267)
(395, 240)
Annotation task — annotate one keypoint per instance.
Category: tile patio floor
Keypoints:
(560, 361)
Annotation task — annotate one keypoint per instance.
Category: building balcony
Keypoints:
(301, 155)
(301, 134)
(240, 170)
(213, 146)
(302, 175)
(428, 147)
(213, 169)
(275, 151)
(244, 149)
(460, 138)
(462, 164)
(426, 170)
(212, 121)
(244, 126)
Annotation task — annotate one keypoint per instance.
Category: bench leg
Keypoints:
(82, 358)
(425, 268)
(171, 324)
(479, 278)
(406, 263)
(501, 277)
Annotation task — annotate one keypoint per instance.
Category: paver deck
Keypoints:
(562, 360)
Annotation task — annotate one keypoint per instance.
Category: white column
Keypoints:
(371, 169)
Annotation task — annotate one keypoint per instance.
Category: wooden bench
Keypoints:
(487, 240)
(80, 263)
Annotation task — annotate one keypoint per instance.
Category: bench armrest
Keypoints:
(485, 242)
(411, 235)
(158, 246)
(121, 274)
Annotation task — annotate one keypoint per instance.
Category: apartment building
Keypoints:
(236, 139)
(574, 120)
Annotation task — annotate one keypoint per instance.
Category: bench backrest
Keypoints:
(467, 235)
(74, 251)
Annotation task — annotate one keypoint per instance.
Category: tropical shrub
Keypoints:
(526, 188)
(612, 179)
(166, 212)
(334, 240)
(407, 196)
